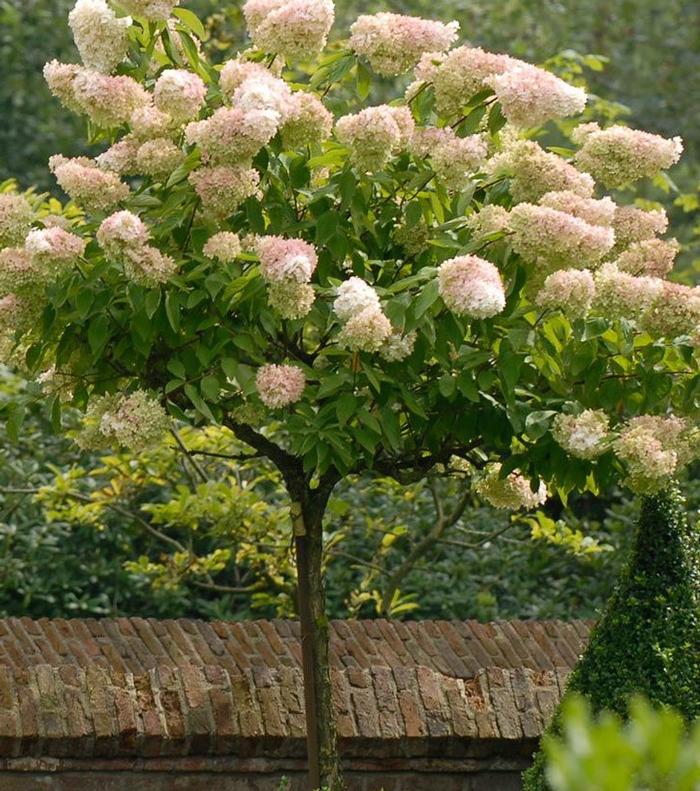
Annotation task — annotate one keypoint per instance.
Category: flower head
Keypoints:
(16, 217)
(534, 172)
(512, 492)
(307, 121)
(135, 421)
(19, 271)
(585, 436)
(222, 189)
(148, 122)
(354, 296)
(180, 94)
(619, 155)
(59, 77)
(156, 10)
(280, 385)
(530, 96)
(459, 74)
(454, 159)
(107, 101)
(289, 299)
(53, 248)
(595, 212)
(366, 331)
(159, 158)
(556, 239)
(621, 295)
(224, 246)
(637, 225)
(674, 310)
(292, 28)
(569, 290)
(653, 257)
(101, 37)
(398, 346)
(232, 136)
(374, 135)
(120, 158)
(148, 266)
(471, 286)
(286, 259)
(120, 232)
(393, 44)
(92, 188)
(654, 448)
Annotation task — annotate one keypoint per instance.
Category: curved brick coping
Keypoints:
(77, 712)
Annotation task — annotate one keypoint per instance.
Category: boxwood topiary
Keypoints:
(648, 639)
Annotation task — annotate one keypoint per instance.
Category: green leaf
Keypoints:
(172, 309)
(191, 21)
(98, 333)
(537, 423)
(346, 406)
(428, 296)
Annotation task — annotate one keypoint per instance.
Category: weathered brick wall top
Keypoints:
(135, 687)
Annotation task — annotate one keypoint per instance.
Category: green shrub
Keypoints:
(648, 640)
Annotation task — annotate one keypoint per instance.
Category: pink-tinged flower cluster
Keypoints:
(585, 436)
(454, 159)
(569, 290)
(620, 295)
(366, 328)
(307, 121)
(595, 212)
(107, 101)
(16, 313)
(289, 299)
(556, 239)
(366, 331)
(654, 449)
(488, 221)
(124, 238)
(533, 172)
(459, 74)
(93, 189)
(59, 77)
(222, 189)
(159, 158)
(374, 135)
(280, 385)
(135, 421)
(155, 10)
(471, 286)
(148, 123)
(101, 38)
(180, 94)
(285, 260)
(237, 72)
(393, 44)
(224, 247)
(674, 311)
(637, 225)
(292, 28)
(148, 266)
(619, 155)
(54, 249)
(19, 272)
(232, 136)
(16, 217)
(354, 296)
(512, 492)
(398, 346)
(653, 257)
(530, 96)
(120, 232)
(120, 158)
(263, 92)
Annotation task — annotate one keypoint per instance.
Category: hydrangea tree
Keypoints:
(401, 288)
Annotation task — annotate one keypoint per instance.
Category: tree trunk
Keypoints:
(323, 758)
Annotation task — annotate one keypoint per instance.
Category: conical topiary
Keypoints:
(648, 640)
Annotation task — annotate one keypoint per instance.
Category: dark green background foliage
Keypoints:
(653, 48)
(648, 640)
